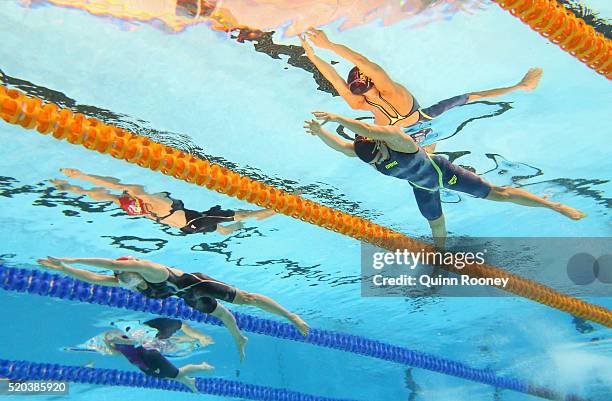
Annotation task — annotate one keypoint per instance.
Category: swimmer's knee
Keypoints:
(499, 194)
(244, 298)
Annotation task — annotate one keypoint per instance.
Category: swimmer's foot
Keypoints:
(241, 343)
(531, 80)
(570, 212)
(264, 214)
(189, 382)
(300, 325)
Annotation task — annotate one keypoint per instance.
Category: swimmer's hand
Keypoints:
(325, 116)
(58, 260)
(318, 38)
(307, 48)
(49, 264)
(313, 127)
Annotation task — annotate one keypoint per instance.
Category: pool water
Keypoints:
(209, 94)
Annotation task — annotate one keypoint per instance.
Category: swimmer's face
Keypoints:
(130, 280)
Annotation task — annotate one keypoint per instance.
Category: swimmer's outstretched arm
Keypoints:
(529, 82)
(329, 72)
(108, 182)
(147, 269)
(345, 147)
(103, 263)
(393, 136)
(79, 274)
(378, 75)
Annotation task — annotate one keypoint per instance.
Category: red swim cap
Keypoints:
(132, 206)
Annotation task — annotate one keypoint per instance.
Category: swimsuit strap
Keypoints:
(398, 117)
(199, 281)
(174, 207)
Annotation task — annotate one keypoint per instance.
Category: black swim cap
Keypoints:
(358, 83)
(365, 149)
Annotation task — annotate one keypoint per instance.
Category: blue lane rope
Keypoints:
(52, 285)
(26, 370)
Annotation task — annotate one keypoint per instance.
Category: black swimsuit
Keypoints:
(198, 222)
(197, 290)
(149, 361)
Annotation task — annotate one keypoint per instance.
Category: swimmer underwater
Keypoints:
(171, 337)
(160, 207)
(369, 87)
(150, 361)
(157, 281)
(394, 153)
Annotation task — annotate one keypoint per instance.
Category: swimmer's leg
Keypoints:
(271, 306)
(521, 197)
(183, 375)
(260, 214)
(101, 194)
(459, 179)
(229, 321)
(202, 338)
(529, 82)
(430, 206)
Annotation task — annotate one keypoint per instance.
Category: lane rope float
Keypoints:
(55, 286)
(559, 25)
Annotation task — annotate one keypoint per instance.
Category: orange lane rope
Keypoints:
(555, 22)
(30, 113)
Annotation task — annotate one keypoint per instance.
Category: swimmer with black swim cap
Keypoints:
(369, 87)
(158, 281)
(393, 153)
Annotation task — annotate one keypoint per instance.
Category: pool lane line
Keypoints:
(30, 113)
(55, 286)
(27, 370)
(562, 27)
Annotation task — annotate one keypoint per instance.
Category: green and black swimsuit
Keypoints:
(428, 174)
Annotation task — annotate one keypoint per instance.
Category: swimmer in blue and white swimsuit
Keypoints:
(369, 87)
(395, 154)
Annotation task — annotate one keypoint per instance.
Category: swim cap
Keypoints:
(133, 206)
(358, 83)
(365, 148)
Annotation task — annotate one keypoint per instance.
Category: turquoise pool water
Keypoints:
(201, 91)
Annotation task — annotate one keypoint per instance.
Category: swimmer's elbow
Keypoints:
(348, 150)
(354, 104)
